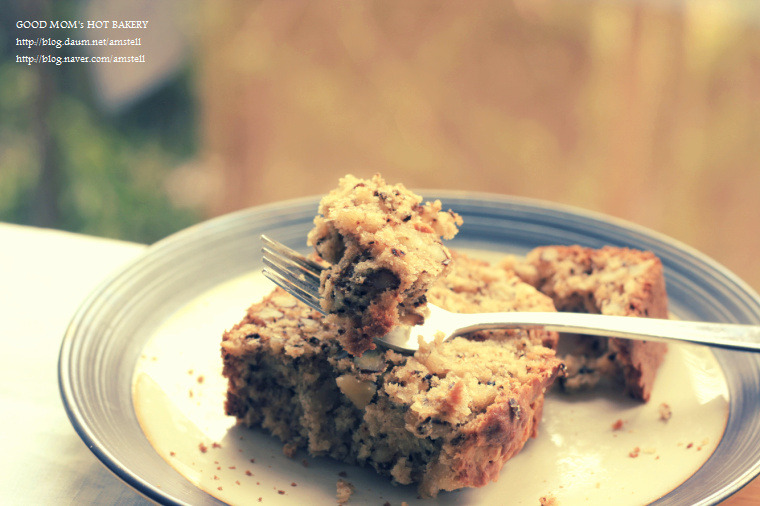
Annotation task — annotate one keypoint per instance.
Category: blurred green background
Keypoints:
(68, 161)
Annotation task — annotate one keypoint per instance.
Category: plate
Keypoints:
(110, 338)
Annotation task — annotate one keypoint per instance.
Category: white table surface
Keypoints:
(44, 275)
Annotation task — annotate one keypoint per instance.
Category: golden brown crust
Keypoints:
(501, 433)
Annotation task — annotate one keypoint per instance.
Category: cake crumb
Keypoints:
(203, 448)
(665, 412)
(344, 491)
(634, 453)
(289, 450)
(201, 379)
(548, 500)
(618, 424)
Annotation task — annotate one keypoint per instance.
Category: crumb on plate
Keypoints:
(344, 491)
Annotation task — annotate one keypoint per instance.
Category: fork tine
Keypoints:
(294, 276)
(292, 266)
(289, 285)
(295, 273)
(281, 250)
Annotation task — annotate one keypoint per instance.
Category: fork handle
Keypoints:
(719, 335)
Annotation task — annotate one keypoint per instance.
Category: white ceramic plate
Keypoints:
(149, 337)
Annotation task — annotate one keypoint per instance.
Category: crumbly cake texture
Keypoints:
(446, 418)
(385, 250)
(344, 491)
(611, 281)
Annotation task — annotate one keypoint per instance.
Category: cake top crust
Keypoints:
(381, 216)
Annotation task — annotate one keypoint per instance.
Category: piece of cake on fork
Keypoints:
(384, 247)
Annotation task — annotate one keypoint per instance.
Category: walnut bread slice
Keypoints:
(446, 418)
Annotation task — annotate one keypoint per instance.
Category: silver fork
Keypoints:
(300, 276)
